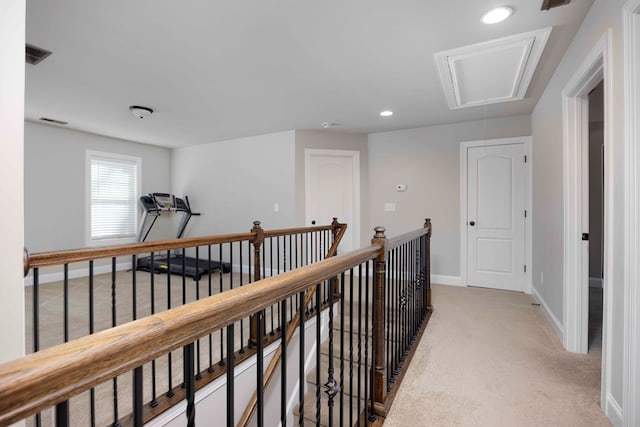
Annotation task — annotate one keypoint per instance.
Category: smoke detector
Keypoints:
(140, 112)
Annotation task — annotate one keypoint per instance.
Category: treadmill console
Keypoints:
(164, 201)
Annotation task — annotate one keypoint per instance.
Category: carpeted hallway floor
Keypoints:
(490, 358)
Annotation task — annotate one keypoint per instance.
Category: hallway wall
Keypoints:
(548, 196)
(12, 39)
(428, 160)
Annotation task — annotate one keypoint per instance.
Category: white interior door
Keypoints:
(332, 189)
(496, 216)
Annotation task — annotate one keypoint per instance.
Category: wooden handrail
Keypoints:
(44, 259)
(403, 238)
(43, 379)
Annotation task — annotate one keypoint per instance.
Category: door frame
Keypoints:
(355, 162)
(596, 67)
(631, 362)
(528, 230)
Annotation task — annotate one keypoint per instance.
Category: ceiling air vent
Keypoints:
(35, 55)
(550, 4)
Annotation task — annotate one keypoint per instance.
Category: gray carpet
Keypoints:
(490, 358)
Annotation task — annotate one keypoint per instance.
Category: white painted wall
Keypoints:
(331, 140)
(55, 182)
(427, 160)
(12, 39)
(547, 135)
(233, 183)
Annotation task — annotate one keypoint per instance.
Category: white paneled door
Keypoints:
(332, 187)
(496, 216)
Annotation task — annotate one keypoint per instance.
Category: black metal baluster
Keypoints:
(398, 319)
(241, 284)
(36, 309)
(405, 311)
(210, 289)
(66, 302)
(137, 372)
(221, 285)
(138, 400)
(351, 300)
(62, 414)
(154, 392)
(184, 277)
(331, 386)
(283, 363)
(388, 310)
(189, 383)
(92, 392)
(36, 323)
(170, 392)
(230, 376)
(359, 411)
(301, 361)
(134, 290)
(342, 327)
(318, 359)
(260, 368)
(198, 368)
(114, 320)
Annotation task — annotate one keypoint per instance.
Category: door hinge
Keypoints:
(525, 159)
(525, 268)
(525, 213)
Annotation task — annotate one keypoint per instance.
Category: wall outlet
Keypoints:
(401, 187)
(541, 277)
(276, 207)
(389, 207)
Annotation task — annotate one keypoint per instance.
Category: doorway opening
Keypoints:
(595, 70)
(596, 217)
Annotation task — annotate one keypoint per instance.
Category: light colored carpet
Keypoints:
(490, 358)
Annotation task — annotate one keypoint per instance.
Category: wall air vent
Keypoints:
(53, 121)
(35, 55)
(550, 4)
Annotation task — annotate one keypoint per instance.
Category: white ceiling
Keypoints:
(216, 70)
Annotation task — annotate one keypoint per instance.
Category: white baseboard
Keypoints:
(595, 282)
(613, 411)
(442, 279)
(75, 273)
(557, 325)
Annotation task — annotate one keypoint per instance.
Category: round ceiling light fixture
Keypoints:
(496, 15)
(140, 112)
(386, 113)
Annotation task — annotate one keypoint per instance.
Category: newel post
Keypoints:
(258, 240)
(379, 376)
(427, 275)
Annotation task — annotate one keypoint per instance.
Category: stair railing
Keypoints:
(394, 270)
(87, 302)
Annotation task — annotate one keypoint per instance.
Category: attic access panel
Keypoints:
(491, 72)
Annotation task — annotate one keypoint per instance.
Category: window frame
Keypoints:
(93, 154)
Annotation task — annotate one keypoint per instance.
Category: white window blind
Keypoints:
(114, 197)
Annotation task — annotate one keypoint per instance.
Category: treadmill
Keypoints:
(154, 205)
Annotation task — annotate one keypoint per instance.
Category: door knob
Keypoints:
(472, 223)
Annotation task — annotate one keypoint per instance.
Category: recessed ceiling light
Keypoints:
(386, 113)
(496, 15)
